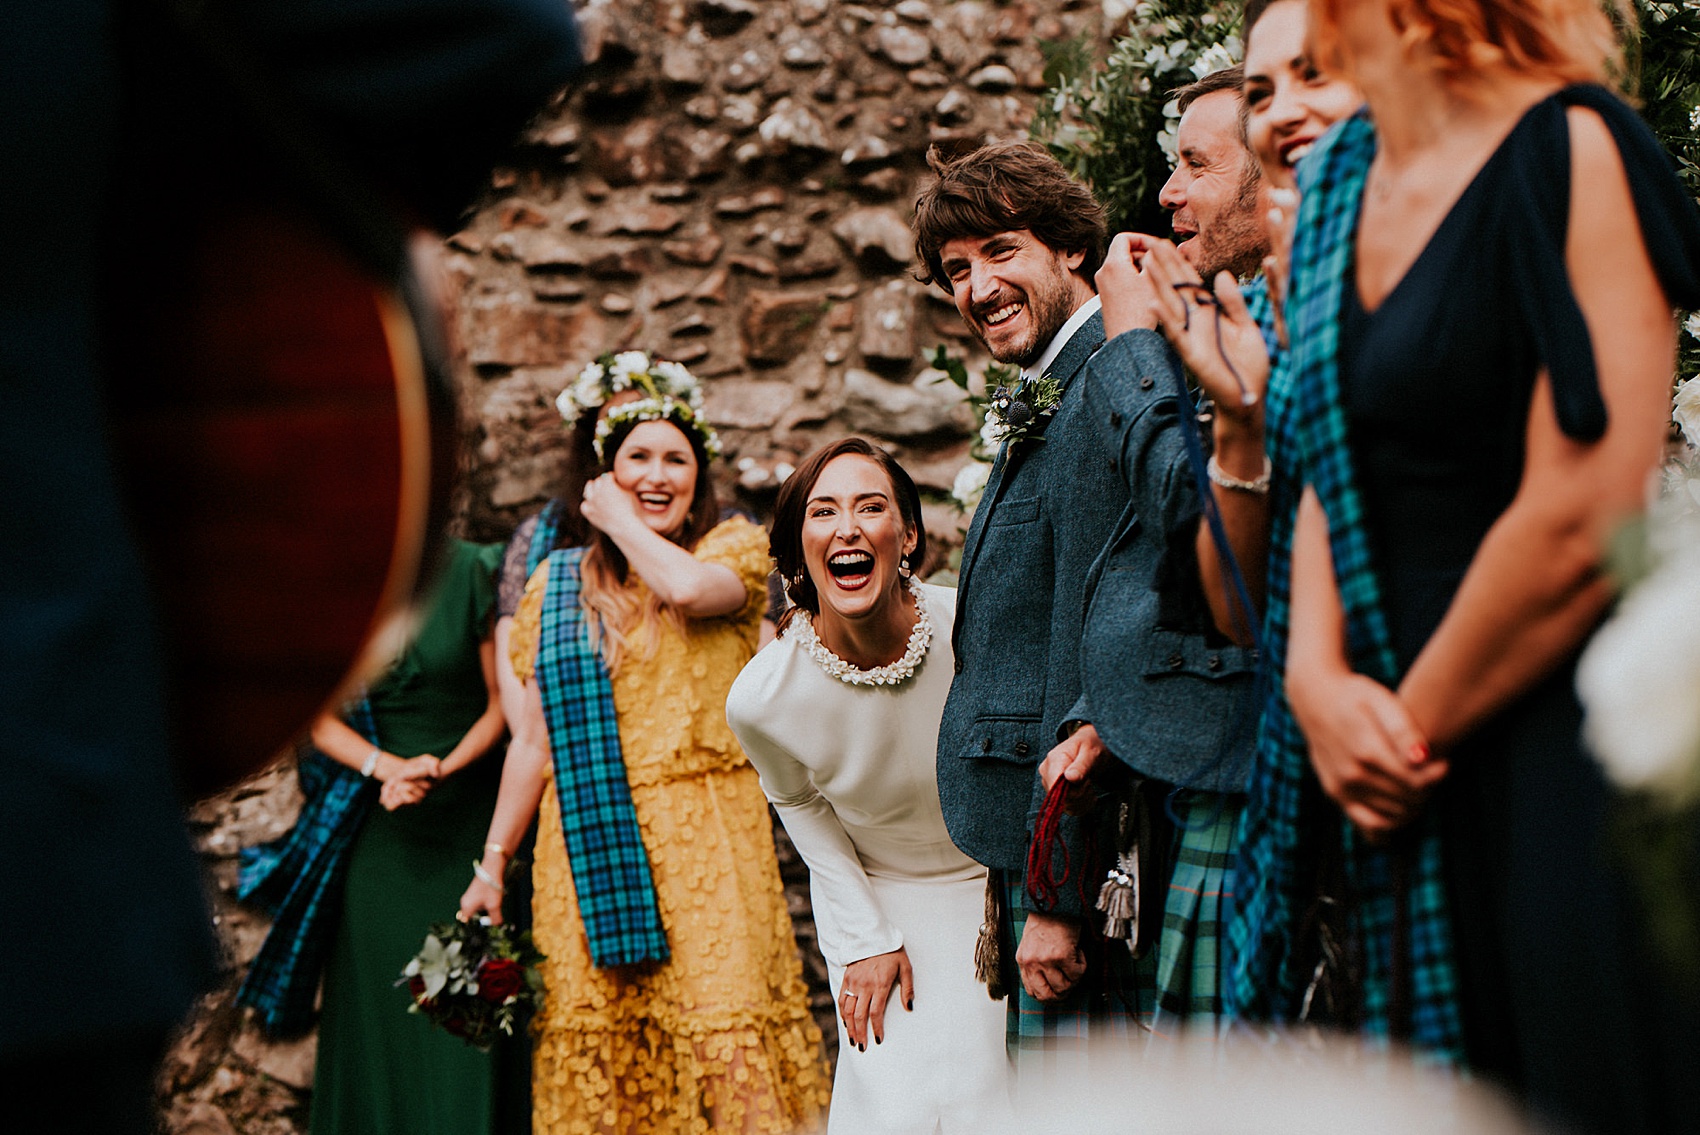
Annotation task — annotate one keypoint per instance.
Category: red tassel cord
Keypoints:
(1042, 883)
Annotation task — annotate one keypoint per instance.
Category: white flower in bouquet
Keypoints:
(970, 483)
(1686, 410)
(1639, 682)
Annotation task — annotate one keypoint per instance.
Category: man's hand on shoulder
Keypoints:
(1050, 958)
(1125, 289)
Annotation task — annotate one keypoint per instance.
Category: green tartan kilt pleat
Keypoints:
(1188, 971)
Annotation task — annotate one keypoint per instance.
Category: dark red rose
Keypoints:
(456, 1025)
(499, 979)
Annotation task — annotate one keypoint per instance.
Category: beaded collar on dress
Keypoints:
(802, 632)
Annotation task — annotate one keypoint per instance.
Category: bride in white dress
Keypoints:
(840, 716)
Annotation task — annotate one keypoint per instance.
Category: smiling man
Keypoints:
(1214, 189)
(1015, 241)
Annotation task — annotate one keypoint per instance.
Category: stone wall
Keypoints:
(729, 186)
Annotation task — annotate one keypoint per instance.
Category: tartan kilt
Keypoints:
(1188, 970)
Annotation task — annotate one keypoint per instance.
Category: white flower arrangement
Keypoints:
(629, 370)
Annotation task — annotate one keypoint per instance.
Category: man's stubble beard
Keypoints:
(1240, 241)
(1047, 311)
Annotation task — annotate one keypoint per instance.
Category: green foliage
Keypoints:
(1112, 124)
(1664, 68)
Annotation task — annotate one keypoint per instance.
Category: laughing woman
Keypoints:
(674, 998)
(840, 716)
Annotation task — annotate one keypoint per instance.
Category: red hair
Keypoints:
(1572, 41)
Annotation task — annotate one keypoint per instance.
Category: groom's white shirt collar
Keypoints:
(1060, 340)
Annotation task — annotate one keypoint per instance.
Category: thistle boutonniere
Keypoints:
(1017, 411)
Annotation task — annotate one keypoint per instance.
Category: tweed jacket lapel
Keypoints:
(1081, 346)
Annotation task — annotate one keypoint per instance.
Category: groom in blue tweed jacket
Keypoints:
(1016, 242)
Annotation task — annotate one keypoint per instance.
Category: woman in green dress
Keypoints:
(381, 1070)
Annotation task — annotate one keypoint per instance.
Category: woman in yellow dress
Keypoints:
(674, 995)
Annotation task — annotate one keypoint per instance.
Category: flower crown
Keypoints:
(629, 370)
(662, 408)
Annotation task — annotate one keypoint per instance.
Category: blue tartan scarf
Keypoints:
(1287, 819)
(298, 879)
(610, 868)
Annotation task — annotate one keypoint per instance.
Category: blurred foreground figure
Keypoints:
(111, 123)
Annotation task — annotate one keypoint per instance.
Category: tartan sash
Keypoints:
(610, 867)
(543, 536)
(1287, 819)
(298, 879)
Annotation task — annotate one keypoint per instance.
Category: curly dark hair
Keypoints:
(1005, 187)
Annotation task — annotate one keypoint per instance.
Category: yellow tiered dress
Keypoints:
(718, 1039)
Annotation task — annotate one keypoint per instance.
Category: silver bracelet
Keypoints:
(1259, 486)
(487, 878)
(371, 764)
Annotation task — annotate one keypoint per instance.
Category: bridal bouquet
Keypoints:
(474, 980)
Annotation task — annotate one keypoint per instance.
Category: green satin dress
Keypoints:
(380, 1069)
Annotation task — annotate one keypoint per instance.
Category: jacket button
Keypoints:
(1111, 462)
(1115, 420)
(957, 664)
(1176, 662)
(986, 745)
(1147, 383)
(1022, 748)
(1214, 662)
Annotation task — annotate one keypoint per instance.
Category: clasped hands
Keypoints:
(1368, 751)
(407, 781)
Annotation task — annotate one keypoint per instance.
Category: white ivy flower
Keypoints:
(1168, 141)
(970, 484)
(1214, 58)
(993, 433)
(1686, 410)
(1692, 323)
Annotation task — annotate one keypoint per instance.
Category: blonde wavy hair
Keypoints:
(1572, 41)
(617, 612)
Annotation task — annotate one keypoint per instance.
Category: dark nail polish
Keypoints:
(861, 1048)
(910, 1004)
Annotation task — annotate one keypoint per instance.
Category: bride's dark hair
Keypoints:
(787, 539)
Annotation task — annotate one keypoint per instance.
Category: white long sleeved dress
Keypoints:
(851, 770)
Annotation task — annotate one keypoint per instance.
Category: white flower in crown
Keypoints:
(656, 408)
(1692, 323)
(630, 363)
(628, 370)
